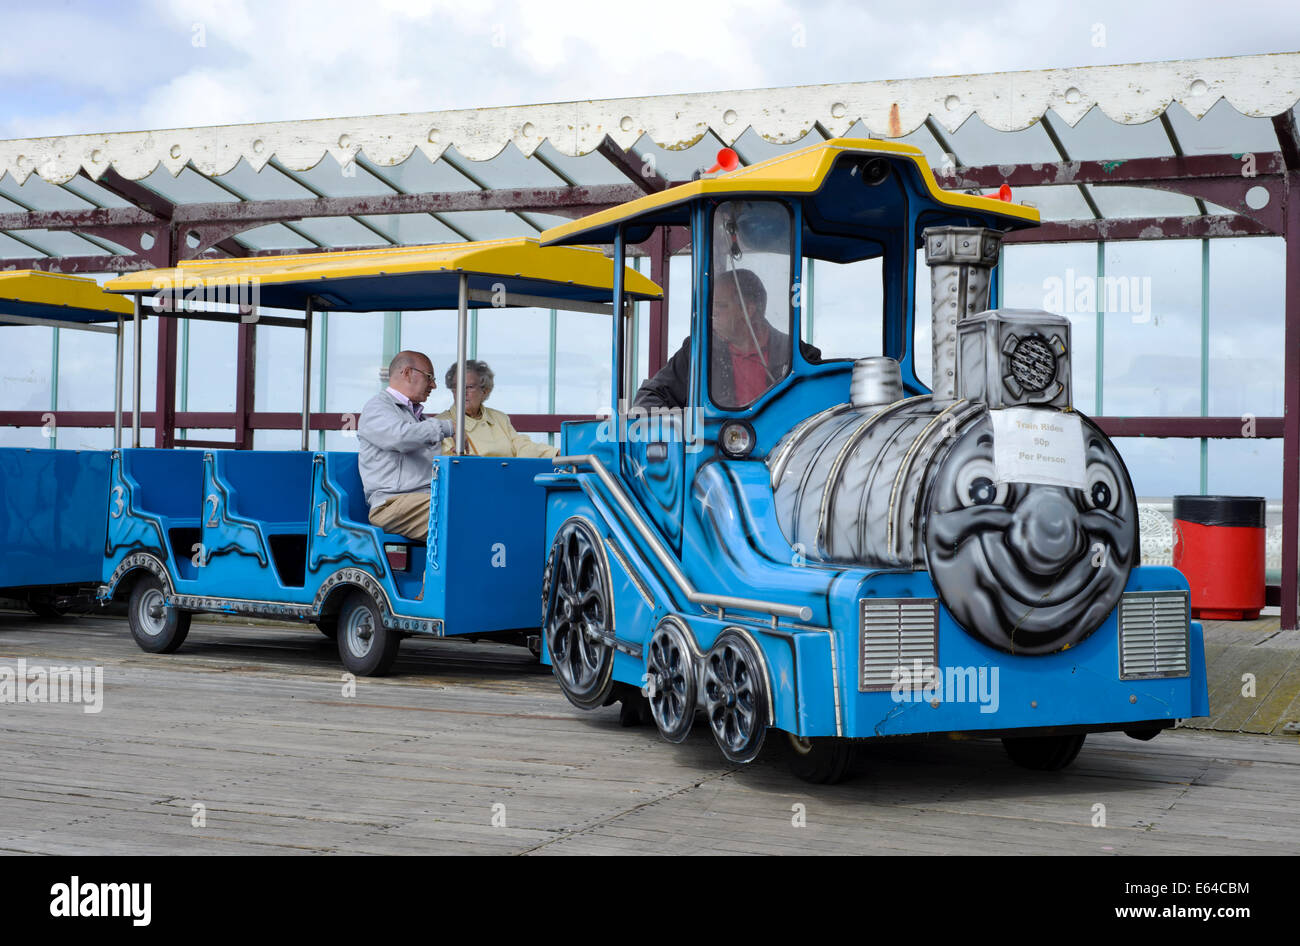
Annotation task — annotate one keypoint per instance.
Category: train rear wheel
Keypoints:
(156, 626)
(670, 678)
(1043, 753)
(735, 696)
(366, 647)
(578, 616)
(823, 760)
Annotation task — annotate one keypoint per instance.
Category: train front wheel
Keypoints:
(577, 615)
(366, 647)
(1043, 753)
(156, 626)
(823, 760)
(736, 696)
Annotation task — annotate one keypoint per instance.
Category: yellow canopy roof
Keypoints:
(399, 277)
(799, 172)
(37, 295)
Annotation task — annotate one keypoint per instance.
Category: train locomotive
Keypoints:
(829, 550)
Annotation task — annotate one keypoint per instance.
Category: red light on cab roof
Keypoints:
(728, 160)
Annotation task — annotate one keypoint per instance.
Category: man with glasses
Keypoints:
(397, 444)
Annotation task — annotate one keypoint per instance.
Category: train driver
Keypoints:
(749, 353)
(397, 444)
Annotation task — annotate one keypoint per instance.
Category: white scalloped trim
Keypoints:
(1256, 86)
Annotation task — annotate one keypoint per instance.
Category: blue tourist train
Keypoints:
(803, 551)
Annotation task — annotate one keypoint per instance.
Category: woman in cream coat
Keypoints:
(488, 433)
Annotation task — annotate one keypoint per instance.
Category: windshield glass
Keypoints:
(750, 305)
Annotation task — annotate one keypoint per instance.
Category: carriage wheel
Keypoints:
(578, 615)
(735, 696)
(1043, 753)
(156, 627)
(823, 760)
(366, 647)
(670, 672)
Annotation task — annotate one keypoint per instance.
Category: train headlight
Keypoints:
(736, 439)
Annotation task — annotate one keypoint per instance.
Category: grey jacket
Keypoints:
(395, 451)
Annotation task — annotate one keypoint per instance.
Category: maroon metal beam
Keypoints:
(632, 166)
(1140, 228)
(164, 425)
(1214, 427)
(1291, 411)
(133, 192)
(1136, 171)
(245, 381)
(660, 259)
(79, 264)
(1288, 139)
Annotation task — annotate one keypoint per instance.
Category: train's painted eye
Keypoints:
(977, 485)
(1102, 491)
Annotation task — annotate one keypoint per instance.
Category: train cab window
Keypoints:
(750, 306)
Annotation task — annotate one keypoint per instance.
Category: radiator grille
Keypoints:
(1153, 634)
(896, 632)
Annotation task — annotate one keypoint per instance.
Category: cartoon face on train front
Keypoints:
(1025, 567)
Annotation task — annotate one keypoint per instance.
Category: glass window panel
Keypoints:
(1054, 203)
(678, 165)
(211, 371)
(1049, 276)
(516, 345)
(28, 362)
(87, 363)
(338, 231)
(413, 229)
(1161, 467)
(975, 143)
(754, 148)
(1248, 467)
(847, 307)
(266, 184)
(188, 187)
(59, 243)
(488, 224)
(273, 237)
(37, 193)
(1247, 326)
(750, 308)
(282, 439)
(279, 363)
(94, 194)
(507, 169)
(1152, 297)
(332, 179)
(418, 175)
(99, 438)
(354, 355)
(591, 169)
(29, 437)
(1097, 138)
(226, 435)
(582, 356)
(1221, 130)
(1117, 202)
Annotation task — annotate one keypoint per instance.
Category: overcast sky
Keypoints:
(79, 66)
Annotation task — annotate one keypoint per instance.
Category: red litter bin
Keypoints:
(1219, 548)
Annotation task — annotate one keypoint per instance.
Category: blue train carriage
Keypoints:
(828, 549)
(286, 534)
(53, 502)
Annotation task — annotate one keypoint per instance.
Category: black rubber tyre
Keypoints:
(1143, 735)
(577, 615)
(1043, 753)
(366, 647)
(157, 627)
(44, 609)
(736, 696)
(328, 625)
(822, 760)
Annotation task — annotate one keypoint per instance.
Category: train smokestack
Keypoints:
(959, 259)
